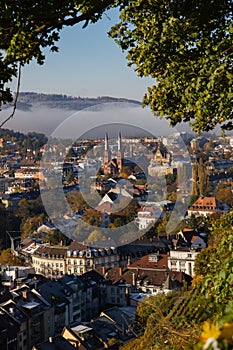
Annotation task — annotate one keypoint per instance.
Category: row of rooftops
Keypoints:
(62, 253)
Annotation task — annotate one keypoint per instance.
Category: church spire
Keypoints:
(119, 141)
(119, 153)
(107, 156)
(106, 142)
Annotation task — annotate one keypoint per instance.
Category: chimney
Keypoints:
(24, 294)
(103, 270)
(50, 339)
(120, 271)
(133, 279)
(127, 296)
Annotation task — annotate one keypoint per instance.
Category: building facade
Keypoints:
(183, 259)
(54, 262)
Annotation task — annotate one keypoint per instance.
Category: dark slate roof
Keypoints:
(8, 326)
(104, 330)
(122, 316)
(31, 303)
(14, 311)
(54, 293)
(56, 343)
(93, 276)
(135, 249)
(68, 280)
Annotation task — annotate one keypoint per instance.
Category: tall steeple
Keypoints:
(119, 152)
(106, 154)
(119, 145)
(106, 142)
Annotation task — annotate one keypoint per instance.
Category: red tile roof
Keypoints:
(149, 262)
(205, 204)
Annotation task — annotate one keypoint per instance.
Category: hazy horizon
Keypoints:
(71, 123)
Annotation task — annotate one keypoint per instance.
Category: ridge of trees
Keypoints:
(28, 100)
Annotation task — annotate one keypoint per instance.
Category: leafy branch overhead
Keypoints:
(186, 46)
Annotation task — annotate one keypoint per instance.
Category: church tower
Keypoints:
(119, 152)
(106, 154)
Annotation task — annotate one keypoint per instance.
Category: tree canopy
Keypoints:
(186, 46)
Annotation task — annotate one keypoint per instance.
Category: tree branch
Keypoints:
(16, 99)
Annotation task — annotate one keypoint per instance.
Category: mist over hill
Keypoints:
(28, 100)
(75, 116)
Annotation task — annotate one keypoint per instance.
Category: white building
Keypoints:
(183, 259)
(147, 216)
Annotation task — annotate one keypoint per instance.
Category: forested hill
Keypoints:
(27, 100)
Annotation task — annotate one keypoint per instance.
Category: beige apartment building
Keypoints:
(54, 262)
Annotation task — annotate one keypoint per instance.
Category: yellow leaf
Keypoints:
(209, 331)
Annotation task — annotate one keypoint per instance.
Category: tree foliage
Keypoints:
(6, 258)
(186, 320)
(186, 46)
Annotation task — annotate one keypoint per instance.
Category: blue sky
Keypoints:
(88, 64)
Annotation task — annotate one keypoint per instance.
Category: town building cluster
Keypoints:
(81, 296)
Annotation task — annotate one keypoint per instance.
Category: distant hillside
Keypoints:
(27, 100)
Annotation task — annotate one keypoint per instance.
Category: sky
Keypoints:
(88, 64)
